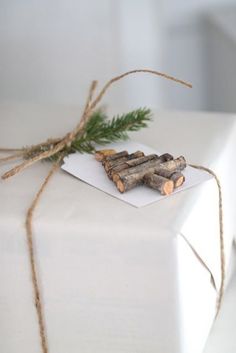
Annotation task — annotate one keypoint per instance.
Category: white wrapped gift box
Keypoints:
(115, 278)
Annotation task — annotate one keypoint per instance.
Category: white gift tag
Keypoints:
(86, 168)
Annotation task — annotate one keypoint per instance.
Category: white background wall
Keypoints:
(188, 34)
(52, 49)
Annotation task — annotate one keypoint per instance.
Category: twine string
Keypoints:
(221, 234)
(11, 157)
(10, 149)
(120, 77)
(30, 243)
(32, 260)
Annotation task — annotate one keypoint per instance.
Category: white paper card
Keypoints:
(86, 168)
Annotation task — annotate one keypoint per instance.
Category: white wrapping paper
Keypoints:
(114, 278)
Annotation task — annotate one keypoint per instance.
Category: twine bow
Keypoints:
(58, 147)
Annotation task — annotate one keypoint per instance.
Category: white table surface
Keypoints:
(179, 133)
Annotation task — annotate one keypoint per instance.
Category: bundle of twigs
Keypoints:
(162, 173)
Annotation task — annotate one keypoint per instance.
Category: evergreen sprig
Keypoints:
(100, 131)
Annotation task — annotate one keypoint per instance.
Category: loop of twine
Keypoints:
(57, 145)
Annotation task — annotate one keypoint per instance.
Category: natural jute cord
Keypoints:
(31, 253)
(58, 145)
(221, 231)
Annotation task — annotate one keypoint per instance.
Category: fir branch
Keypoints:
(99, 130)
